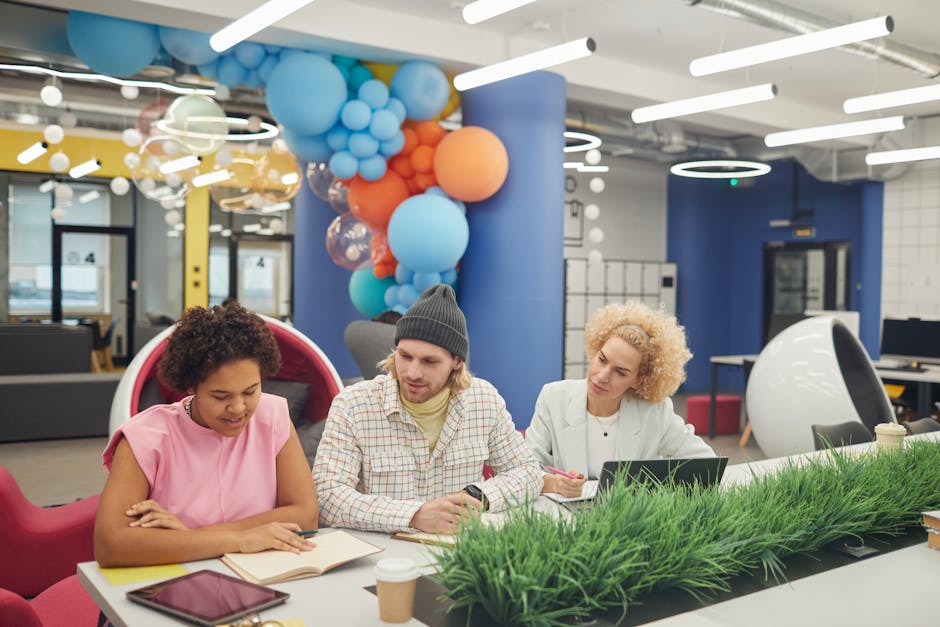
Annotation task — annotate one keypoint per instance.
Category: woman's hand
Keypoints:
(563, 485)
(152, 515)
(276, 535)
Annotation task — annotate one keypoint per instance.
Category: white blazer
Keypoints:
(558, 432)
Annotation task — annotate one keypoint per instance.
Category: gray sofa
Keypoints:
(47, 389)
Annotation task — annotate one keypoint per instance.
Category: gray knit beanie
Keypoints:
(436, 318)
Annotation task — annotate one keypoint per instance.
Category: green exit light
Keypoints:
(734, 182)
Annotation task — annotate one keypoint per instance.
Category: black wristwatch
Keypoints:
(477, 493)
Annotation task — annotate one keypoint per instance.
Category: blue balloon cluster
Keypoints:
(354, 72)
(111, 45)
(410, 284)
(248, 64)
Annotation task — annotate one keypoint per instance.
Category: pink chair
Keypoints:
(64, 604)
(41, 545)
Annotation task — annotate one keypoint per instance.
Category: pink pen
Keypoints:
(561, 472)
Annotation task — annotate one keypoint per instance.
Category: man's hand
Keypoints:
(444, 515)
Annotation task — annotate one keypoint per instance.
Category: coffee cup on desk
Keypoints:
(889, 436)
(395, 580)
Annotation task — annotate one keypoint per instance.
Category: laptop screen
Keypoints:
(707, 471)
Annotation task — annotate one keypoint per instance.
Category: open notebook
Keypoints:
(588, 492)
(332, 550)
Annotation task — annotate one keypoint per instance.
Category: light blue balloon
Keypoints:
(253, 80)
(338, 137)
(391, 296)
(306, 93)
(374, 93)
(358, 75)
(367, 293)
(272, 49)
(344, 61)
(422, 87)
(189, 46)
(395, 106)
(307, 147)
(231, 72)
(363, 145)
(449, 276)
(384, 125)
(424, 280)
(209, 70)
(428, 233)
(400, 309)
(403, 274)
(407, 295)
(264, 70)
(111, 45)
(287, 53)
(439, 191)
(343, 164)
(250, 54)
(372, 168)
(392, 146)
(356, 115)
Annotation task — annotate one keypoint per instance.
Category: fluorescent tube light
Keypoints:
(898, 156)
(482, 10)
(580, 166)
(89, 196)
(177, 165)
(215, 228)
(891, 99)
(32, 153)
(84, 168)
(290, 178)
(676, 108)
(276, 207)
(730, 169)
(793, 46)
(253, 22)
(834, 131)
(538, 60)
(46, 186)
(252, 228)
(590, 141)
(103, 78)
(211, 177)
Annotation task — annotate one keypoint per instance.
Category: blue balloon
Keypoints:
(343, 165)
(264, 70)
(209, 70)
(428, 233)
(358, 74)
(449, 277)
(272, 49)
(391, 296)
(424, 280)
(231, 72)
(307, 147)
(403, 274)
(384, 125)
(392, 146)
(253, 80)
(338, 137)
(374, 93)
(400, 309)
(250, 54)
(356, 115)
(111, 45)
(306, 93)
(395, 106)
(344, 72)
(367, 293)
(189, 46)
(422, 87)
(372, 168)
(407, 295)
(363, 145)
(342, 61)
(287, 53)
(439, 191)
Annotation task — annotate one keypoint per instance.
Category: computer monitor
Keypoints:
(911, 339)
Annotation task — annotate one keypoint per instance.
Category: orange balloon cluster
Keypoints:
(415, 162)
(471, 163)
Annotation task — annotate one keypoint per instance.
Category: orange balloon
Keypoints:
(471, 163)
(374, 201)
(413, 187)
(425, 180)
(423, 158)
(411, 141)
(383, 261)
(429, 132)
(401, 164)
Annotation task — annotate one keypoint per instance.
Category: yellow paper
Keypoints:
(120, 576)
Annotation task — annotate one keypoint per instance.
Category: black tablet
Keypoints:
(206, 597)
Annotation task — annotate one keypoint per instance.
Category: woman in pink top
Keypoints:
(220, 471)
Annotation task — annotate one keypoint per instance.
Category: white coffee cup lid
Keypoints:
(393, 569)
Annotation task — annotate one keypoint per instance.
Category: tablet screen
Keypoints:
(207, 597)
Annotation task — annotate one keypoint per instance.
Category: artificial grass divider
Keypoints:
(537, 570)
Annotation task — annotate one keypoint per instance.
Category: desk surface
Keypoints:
(894, 588)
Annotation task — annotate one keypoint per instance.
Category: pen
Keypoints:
(306, 532)
(561, 472)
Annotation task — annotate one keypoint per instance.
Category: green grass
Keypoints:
(536, 570)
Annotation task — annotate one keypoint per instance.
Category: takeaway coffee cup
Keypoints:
(889, 436)
(395, 580)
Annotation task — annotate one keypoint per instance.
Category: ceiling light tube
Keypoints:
(733, 98)
(253, 22)
(252, 228)
(103, 78)
(541, 59)
(276, 207)
(88, 196)
(891, 99)
(899, 156)
(834, 131)
(177, 165)
(209, 178)
(793, 46)
(290, 178)
(32, 153)
(84, 168)
(46, 186)
(482, 10)
(215, 228)
(590, 141)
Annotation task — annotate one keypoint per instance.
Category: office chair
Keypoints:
(924, 425)
(841, 434)
(64, 604)
(102, 346)
(369, 343)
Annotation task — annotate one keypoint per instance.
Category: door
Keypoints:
(261, 273)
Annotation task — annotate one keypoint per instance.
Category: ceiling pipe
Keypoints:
(782, 17)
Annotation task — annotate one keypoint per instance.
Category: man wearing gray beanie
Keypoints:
(405, 450)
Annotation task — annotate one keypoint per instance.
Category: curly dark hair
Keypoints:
(205, 339)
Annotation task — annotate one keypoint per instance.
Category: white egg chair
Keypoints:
(813, 372)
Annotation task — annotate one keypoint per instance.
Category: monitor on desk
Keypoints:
(911, 339)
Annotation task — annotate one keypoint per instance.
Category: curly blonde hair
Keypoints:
(458, 381)
(657, 335)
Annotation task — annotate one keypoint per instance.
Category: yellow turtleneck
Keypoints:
(429, 415)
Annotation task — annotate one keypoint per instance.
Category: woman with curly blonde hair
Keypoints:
(622, 410)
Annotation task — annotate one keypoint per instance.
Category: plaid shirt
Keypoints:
(373, 470)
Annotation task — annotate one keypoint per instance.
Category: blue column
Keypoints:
(512, 279)
(322, 308)
(869, 308)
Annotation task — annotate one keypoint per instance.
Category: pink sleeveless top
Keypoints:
(199, 475)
